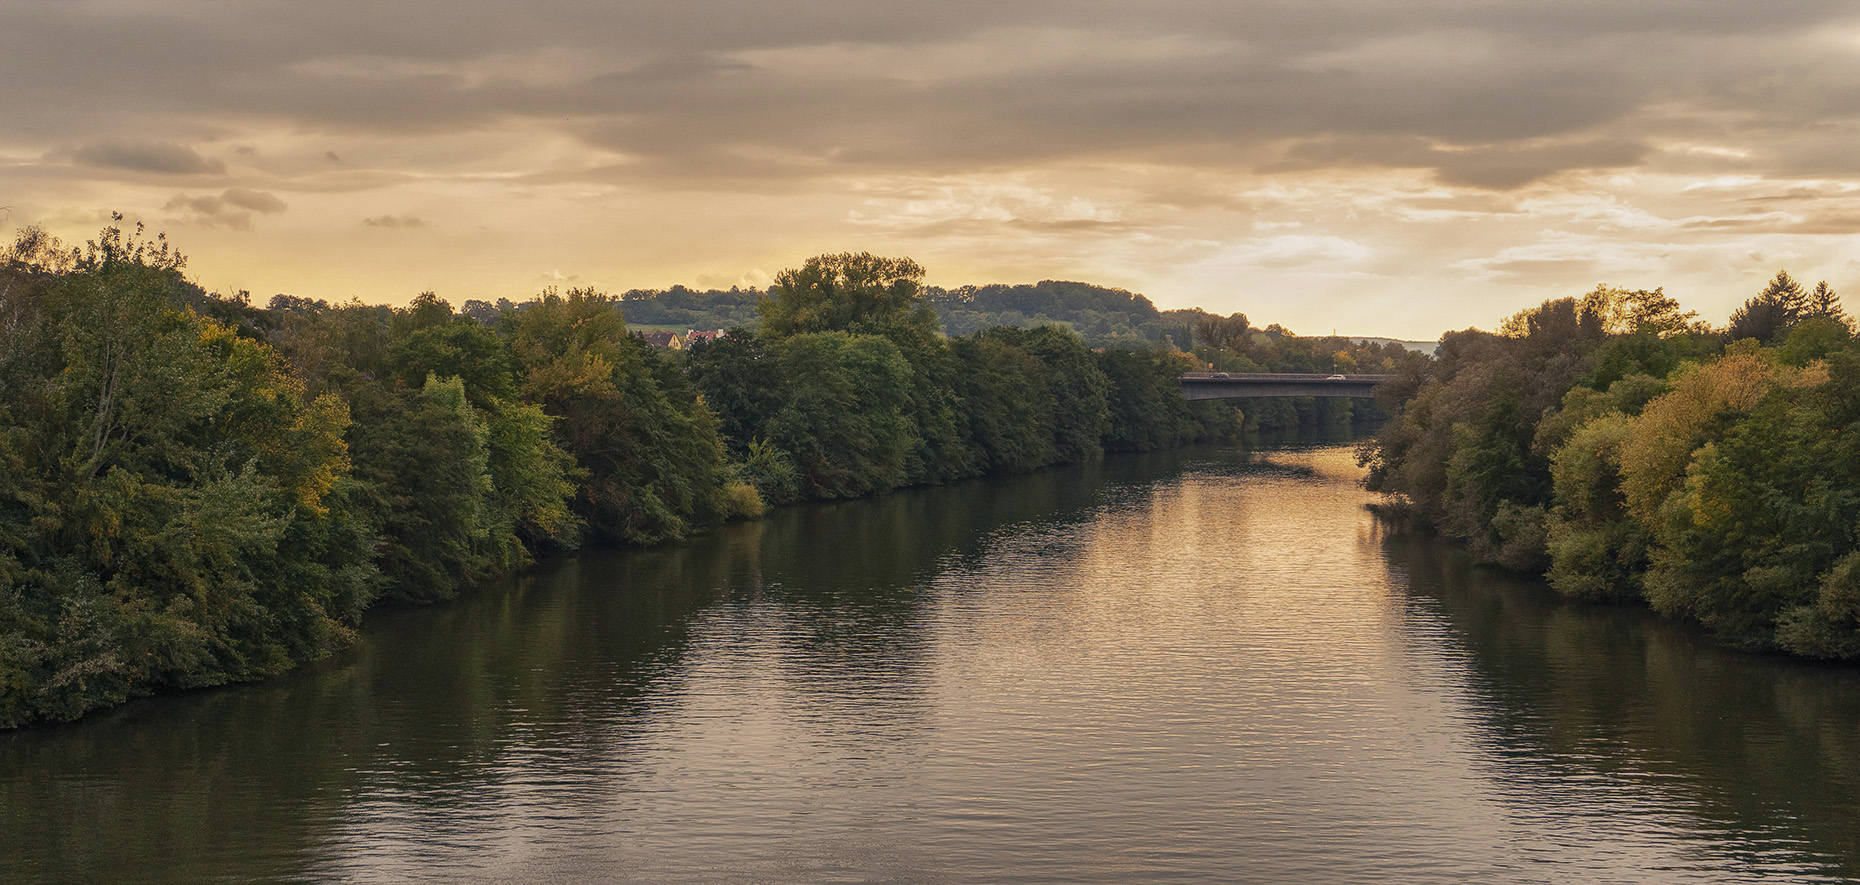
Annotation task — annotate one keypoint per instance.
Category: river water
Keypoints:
(1199, 666)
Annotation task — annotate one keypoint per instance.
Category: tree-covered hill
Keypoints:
(1103, 316)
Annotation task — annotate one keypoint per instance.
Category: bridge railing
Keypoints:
(1282, 376)
(1250, 385)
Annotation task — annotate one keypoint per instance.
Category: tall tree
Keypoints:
(1822, 302)
(648, 448)
(858, 292)
(1769, 314)
(173, 512)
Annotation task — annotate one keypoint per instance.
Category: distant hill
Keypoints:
(1092, 311)
(679, 307)
(1427, 347)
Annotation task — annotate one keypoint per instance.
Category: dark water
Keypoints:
(1198, 667)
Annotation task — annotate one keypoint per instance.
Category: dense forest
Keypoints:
(1631, 452)
(196, 490)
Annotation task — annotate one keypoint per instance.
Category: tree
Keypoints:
(1223, 333)
(1822, 302)
(742, 383)
(651, 461)
(849, 292)
(1596, 551)
(1769, 314)
(173, 512)
(845, 419)
(1006, 402)
(1075, 389)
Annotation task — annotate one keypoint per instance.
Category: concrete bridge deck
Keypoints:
(1251, 385)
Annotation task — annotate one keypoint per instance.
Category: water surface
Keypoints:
(1202, 666)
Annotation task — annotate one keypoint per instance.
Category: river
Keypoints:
(1206, 665)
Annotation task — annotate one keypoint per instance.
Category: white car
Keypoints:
(1336, 378)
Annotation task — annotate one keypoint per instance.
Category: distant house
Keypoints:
(661, 339)
(696, 335)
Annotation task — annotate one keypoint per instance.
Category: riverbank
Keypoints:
(1631, 454)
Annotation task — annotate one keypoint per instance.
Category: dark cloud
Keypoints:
(741, 89)
(257, 201)
(395, 221)
(232, 208)
(161, 157)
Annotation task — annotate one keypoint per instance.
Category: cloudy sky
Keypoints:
(1393, 167)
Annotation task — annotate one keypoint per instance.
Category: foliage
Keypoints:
(844, 420)
(1770, 314)
(651, 462)
(740, 381)
(173, 511)
(682, 307)
(1718, 483)
(859, 293)
(1104, 316)
(195, 490)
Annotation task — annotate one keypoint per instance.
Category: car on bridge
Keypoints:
(1336, 378)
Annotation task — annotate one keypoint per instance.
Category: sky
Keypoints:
(1367, 167)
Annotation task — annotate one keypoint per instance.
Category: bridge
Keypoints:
(1249, 385)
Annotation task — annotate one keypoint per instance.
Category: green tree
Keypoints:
(1823, 303)
(1769, 314)
(1006, 402)
(1073, 385)
(849, 292)
(1596, 550)
(742, 383)
(650, 458)
(845, 421)
(175, 513)
(428, 339)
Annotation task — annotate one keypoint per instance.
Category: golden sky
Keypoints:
(1379, 168)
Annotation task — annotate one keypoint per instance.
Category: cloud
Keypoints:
(755, 278)
(1571, 260)
(165, 158)
(231, 209)
(1495, 95)
(393, 221)
(1445, 144)
(1839, 223)
(257, 201)
(1497, 167)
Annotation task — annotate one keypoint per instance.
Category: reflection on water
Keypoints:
(1203, 666)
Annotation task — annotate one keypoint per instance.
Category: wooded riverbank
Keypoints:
(1633, 453)
(196, 490)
